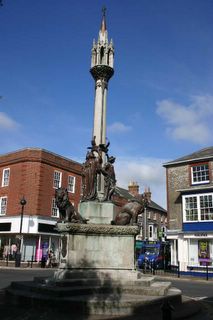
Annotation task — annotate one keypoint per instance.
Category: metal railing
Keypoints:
(11, 262)
(204, 272)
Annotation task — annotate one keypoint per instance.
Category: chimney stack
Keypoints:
(148, 194)
(133, 188)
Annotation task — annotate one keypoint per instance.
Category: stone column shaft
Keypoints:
(99, 127)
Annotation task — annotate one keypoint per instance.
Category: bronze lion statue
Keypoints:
(128, 215)
(67, 212)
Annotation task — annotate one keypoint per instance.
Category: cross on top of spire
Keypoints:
(104, 11)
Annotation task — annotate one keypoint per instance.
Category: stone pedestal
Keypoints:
(97, 247)
(96, 278)
(98, 212)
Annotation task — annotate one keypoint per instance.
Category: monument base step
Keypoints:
(87, 297)
(89, 287)
(93, 299)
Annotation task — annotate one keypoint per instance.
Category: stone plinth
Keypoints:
(97, 246)
(98, 212)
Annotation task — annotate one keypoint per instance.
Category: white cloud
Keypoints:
(118, 127)
(188, 122)
(7, 123)
(147, 172)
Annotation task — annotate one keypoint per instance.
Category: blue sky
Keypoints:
(160, 99)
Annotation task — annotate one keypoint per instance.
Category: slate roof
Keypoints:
(154, 205)
(125, 194)
(203, 154)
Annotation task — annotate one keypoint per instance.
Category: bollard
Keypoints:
(31, 264)
(207, 272)
(178, 269)
(18, 260)
(167, 309)
(153, 267)
(43, 262)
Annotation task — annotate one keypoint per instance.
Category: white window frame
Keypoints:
(57, 181)
(71, 186)
(3, 206)
(5, 177)
(148, 214)
(164, 231)
(204, 173)
(199, 207)
(54, 209)
(151, 231)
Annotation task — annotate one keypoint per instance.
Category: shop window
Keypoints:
(5, 177)
(204, 252)
(55, 210)
(193, 252)
(71, 184)
(200, 173)
(3, 206)
(57, 179)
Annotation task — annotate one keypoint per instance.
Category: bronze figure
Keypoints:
(91, 168)
(67, 211)
(128, 214)
(109, 179)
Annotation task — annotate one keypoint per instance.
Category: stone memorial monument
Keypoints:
(97, 271)
(106, 243)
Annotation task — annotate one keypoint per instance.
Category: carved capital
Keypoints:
(104, 72)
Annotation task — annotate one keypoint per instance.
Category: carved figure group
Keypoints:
(67, 212)
(128, 214)
(109, 178)
(92, 167)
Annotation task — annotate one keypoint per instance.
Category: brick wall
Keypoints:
(31, 175)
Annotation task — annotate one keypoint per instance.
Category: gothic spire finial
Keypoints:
(103, 22)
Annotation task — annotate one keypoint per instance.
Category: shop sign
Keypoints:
(198, 235)
(201, 234)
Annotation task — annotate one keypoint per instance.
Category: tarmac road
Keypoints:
(7, 275)
(197, 290)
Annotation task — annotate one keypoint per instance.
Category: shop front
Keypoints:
(200, 249)
(38, 238)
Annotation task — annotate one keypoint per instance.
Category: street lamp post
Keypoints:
(18, 254)
(145, 224)
(22, 203)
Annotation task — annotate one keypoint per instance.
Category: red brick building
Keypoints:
(35, 174)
